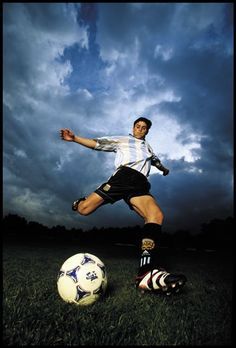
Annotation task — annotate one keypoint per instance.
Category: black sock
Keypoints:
(148, 244)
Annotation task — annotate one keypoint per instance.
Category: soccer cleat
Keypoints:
(76, 203)
(158, 280)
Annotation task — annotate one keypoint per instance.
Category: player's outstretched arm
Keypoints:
(67, 135)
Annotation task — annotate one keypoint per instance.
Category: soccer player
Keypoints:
(134, 157)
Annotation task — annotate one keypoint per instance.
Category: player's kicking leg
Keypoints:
(87, 205)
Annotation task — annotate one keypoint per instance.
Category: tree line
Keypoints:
(216, 234)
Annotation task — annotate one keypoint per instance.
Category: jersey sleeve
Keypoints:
(154, 159)
(156, 162)
(108, 144)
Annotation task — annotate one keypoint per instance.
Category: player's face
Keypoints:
(140, 130)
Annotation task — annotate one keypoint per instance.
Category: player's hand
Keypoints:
(165, 171)
(67, 134)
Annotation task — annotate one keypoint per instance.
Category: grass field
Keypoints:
(34, 314)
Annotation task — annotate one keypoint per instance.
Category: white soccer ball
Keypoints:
(82, 279)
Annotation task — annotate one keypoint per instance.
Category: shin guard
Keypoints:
(148, 244)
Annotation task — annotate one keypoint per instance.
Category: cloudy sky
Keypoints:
(95, 68)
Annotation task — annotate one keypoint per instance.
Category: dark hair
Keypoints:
(144, 119)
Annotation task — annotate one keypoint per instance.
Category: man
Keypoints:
(134, 157)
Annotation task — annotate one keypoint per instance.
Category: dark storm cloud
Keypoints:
(207, 106)
(191, 198)
(94, 68)
(33, 98)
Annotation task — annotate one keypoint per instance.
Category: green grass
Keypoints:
(34, 314)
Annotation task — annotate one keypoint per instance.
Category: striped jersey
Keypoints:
(130, 152)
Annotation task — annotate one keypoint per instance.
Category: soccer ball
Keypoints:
(82, 279)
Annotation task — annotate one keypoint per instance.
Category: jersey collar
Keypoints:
(142, 140)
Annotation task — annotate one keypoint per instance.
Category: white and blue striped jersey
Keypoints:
(130, 152)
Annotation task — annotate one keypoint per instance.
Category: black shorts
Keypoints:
(124, 184)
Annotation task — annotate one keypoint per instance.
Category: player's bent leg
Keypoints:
(76, 203)
(87, 205)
